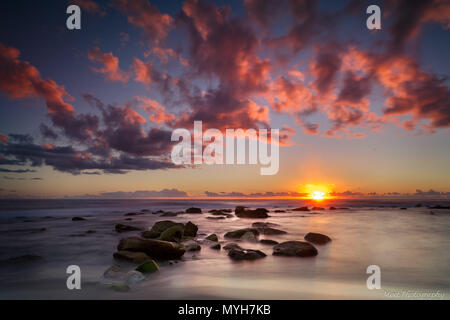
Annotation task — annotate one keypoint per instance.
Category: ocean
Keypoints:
(39, 240)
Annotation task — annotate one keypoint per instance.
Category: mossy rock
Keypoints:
(173, 234)
(162, 226)
(149, 266)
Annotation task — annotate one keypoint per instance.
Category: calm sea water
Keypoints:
(412, 248)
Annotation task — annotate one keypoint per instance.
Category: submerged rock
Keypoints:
(301, 209)
(332, 208)
(245, 254)
(268, 242)
(249, 236)
(279, 211)
(221, 213)
(133, 277)
(317, 238)
(216, 218)
(149, 266)
(193, 210)
(318, 208)
(133, 214)
(295, 249)
(212, 237)
(136, 257)
(113, 272)
(169, 214)
(271, 231)
(216, 246)
(119, 287)
(191, 245)
(78, 219)
(239, 233)
(156, 249)
(259, 213)
(264, 224)
(125, 228)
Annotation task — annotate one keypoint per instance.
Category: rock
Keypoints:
(90, 231)
(271, 231)
(332, 208)
(169, 214)
(232, 245)
(438, 207)
(259, 213)
(268, 242)
(132, 213)
(301, 209)
(125, 228)
(173, 234)
(194, 210)
(113, 272)
(119, 287)
(215, 246)
(133, 277)
(419, 205)
(212, 237)
(191, 245)
(145, 211)
(294, 249)
(156, 249)
(249, 236)
(317, 238)
(78, 219)
(318, 208)
(136, 257)
(149, 266)
(403, 208)
(245, 254)
(150, 234)
(264, 224)
(239, 233)
(163, 225)
(190, 229)
(128, 219)
(279, 211)
(216, 218)
(221, 213)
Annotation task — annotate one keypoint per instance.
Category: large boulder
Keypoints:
(125, 228)
(259, 213)
(150, 234)
(172, 234)
(295, 249)
(156, 249)
(163, 225)
(245, 254)
(239, 233)
(136, 257)
(193, 210)
(190, 229)
(317, 238)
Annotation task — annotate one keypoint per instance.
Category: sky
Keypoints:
(90, 112)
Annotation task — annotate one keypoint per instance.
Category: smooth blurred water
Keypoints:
(412, 248)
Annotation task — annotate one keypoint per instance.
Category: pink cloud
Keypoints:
(110, 68)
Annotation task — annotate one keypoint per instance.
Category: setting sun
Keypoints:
(317, 195)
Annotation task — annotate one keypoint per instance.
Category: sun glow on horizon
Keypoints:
(317, 195)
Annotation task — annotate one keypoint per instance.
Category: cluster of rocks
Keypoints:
(167, 240)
